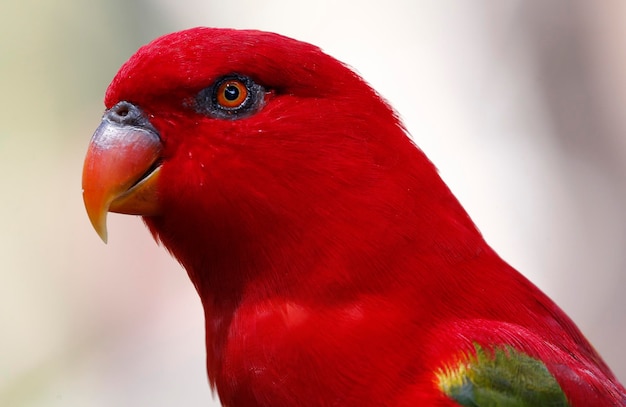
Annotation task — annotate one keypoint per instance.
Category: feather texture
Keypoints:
(334, 265)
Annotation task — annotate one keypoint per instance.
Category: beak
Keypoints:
(122, 167)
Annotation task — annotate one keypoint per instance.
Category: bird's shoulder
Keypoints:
(502, 376)
(497, 363)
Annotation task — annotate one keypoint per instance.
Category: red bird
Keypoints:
(334, 265)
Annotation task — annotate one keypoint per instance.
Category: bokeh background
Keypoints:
(520, 105)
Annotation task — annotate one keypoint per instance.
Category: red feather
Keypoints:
(334, 265)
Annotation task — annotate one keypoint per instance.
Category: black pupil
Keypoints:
(231, 92)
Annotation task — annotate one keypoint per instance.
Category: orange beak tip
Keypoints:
(101, 229)
(97, 214)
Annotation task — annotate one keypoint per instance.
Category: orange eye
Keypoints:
(231, 94)
(232, 97)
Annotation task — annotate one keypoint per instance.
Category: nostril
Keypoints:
(126, 113)
(122, 111)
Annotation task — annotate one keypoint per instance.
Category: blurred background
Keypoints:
(519, 104)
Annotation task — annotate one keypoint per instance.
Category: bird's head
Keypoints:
(228, 140)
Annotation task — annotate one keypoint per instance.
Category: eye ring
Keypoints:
(231, 94)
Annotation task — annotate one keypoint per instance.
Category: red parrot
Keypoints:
(334, 266)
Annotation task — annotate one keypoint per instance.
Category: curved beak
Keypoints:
(122, 167)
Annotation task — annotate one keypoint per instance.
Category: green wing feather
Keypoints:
(503, 377)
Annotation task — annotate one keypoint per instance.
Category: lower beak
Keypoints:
(122, 167)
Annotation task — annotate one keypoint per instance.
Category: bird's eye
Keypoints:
(231, 94)
(231, 97)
